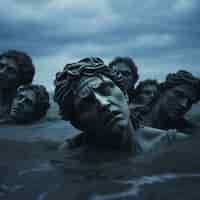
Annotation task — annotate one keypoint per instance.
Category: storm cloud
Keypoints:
(161, 36)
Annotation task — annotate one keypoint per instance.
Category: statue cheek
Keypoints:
(88, 116)
(28, 110)
(11, 79)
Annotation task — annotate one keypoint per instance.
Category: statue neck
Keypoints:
(128, 142)
(123, 140)
(159, 118)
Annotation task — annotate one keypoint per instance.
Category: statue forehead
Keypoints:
(121, 66)
(187, 89)
(86, 83)
(149, 87)
(9, 60)
(30, 94)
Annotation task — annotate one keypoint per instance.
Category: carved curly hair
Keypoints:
(67, 81)
(42, 100)
(182, 77)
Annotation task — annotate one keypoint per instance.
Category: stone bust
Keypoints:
(177, 94)
(16, 68)
(128, 70)
(30, 104)
(146, 91)
(93, 98)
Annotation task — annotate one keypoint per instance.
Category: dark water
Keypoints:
(45, 179)
(32, 168)
(43, 173)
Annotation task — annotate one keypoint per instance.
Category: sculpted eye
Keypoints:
(28, 102)
(18, 97)
(105, 88)
(84, 104)
(10, 70)
(1, 66)
(179, 94)
(125, 73)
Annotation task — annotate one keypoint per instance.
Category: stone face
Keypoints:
(16, 68)
(145, 92)
(29, 104)
(128, 70)
(90, 96)
(177, 95)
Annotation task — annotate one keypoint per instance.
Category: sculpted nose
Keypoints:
(101, 100)
(151, 95)
(184, 103)
(21, 101)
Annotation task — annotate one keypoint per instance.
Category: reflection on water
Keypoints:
(89, 174)
(43, 167)
(43, 195)
(10, 188)
(100, 179)
(137, 183)
(28, 179)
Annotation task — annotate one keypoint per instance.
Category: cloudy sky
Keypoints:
(161, 36)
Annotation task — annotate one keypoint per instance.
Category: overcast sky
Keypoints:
(160, 36)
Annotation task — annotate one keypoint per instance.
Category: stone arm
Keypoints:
(150, 139)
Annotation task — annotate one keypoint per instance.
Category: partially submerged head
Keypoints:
(146, 91)
(127, 68)
(30, 103)
(179, 91)
(16, 68)
(91, 95)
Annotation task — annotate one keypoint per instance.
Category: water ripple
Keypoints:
(137, 183)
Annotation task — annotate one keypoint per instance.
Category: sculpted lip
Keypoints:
(15, 109)
(180, 110)
(113, 117)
